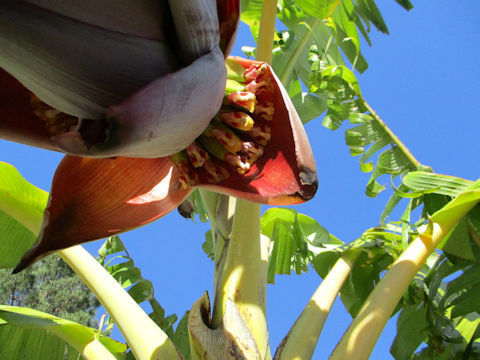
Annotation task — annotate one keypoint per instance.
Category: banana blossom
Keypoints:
(138, 96)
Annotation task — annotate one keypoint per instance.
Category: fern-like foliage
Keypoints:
(118, 262)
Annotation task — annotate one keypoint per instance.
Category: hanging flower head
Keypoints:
(139, 95)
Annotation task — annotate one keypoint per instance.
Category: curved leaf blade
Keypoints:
(296, 239)
(21, 212)
(437, 183)
(25, 343)
(20, 199)
(78, 336)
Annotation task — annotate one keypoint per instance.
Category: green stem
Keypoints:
(413, 161)
(302, 338)
(267, 31)
(287, 71)
(93, 350)
(242, 278)
(244, 275)
(360, 338)
(144, 337)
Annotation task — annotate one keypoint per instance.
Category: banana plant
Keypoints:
(148, 106)
(157, 124)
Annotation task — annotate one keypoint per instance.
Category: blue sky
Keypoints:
(423, 80)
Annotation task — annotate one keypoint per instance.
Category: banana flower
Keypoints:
(138, 96)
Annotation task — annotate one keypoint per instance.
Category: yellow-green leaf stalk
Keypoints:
(144, 337)
(360, 338)
(94, 350)
(301, 340)
(243, 277)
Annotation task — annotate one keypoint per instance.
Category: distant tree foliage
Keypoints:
(52, 287)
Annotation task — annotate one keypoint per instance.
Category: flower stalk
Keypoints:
(267, 31)
(242, 278)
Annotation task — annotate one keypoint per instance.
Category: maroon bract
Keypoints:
(95, 198)
(253, 145)
(265, 155)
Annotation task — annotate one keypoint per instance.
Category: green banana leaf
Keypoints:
(21, 212)
(30, 334)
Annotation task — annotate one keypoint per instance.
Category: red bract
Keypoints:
(255, 148)
(95, 198)
(285, 173)
(17, 119)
